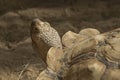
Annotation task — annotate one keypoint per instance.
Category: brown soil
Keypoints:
(18, 61)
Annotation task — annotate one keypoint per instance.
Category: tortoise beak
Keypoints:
(36, 22)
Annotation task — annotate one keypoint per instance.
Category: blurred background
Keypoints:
(15, 16)
(64, 15)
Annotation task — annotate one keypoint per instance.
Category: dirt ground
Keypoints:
(18, 61)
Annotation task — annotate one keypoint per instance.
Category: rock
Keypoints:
(97, 68)
(90, 69)
(111, 74)
(69, 38)
(53, 58)
(54, 68)
(112, 47)
(44, 76)
(80, 62)
(89, 32)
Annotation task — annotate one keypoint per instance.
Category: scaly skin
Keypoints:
(43, 37)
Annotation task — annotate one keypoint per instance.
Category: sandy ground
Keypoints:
(18, 61)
